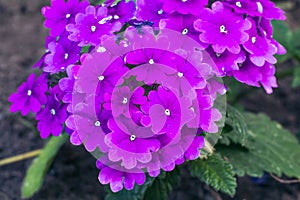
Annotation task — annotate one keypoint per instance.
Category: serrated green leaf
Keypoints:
(296, 79)
(235, 129)
(40, 165)
(216, 172)
(163, 185)
(137, 193)
(270, 149)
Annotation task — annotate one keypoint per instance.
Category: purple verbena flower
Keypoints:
(61, 13)
(260, 48)
(222, 28)
(92, 26)
(131, 147)
(30, 95)
(51, 119)
(152, 11)
(62, 54)
(119, 179)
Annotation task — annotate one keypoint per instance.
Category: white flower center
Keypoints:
(104, 20)
(97, 123)
(93, 28)
(101, 50)
(185, 31)
(180, 74)
(253, 40)
(184, 1)
(151, 61)
(29, 92)
(259, 7)
(101, 78)
(66, 56)
(167, 112)
(52, 111)
(125, 100)
(68, 16)
(223, 29)
(132, 138)
(160, 12)
(238, 4)
(116, 17)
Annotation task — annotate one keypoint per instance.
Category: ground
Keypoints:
(73, 174)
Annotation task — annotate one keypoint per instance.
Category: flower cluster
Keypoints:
(137, 82)
(143, 105)
(237, 34)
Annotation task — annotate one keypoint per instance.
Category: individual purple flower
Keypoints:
(185, 78)
(168, 113)
(152, 11)
(30, 95)
(95, 78)
(91, 124)
(152, 63)
(61, 13)
(122, 12)
(182, 24)
(222, 28)
(92, 26)
(119, 179)
(184, 6)
(62, 54)
(130, 147)
(51, 119)
(256, 76)
(260, 48)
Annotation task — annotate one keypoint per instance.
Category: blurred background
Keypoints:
(73, 174)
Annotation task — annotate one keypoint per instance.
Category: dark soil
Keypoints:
(73, 174)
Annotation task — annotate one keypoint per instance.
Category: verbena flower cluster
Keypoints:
(135, 83)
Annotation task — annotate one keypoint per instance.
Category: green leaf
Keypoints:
(40, 165)
(296, 79)
(163, 185)
(270, 149)
(216, 172)
(137, 193)
(235, 129)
